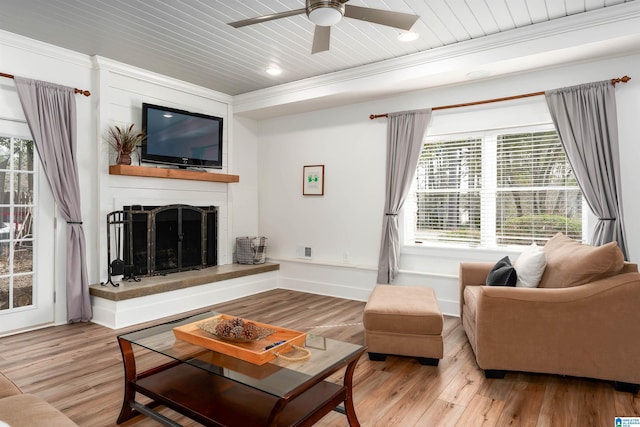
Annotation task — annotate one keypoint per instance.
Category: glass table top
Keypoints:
(278, 377)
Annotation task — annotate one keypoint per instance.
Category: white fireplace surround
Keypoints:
(225, 243)
(117, 314)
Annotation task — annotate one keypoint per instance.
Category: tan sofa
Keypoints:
(20, 409)
(588, 329)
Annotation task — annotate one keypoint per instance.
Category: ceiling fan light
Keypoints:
(325, 13)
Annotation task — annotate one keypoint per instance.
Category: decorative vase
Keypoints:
(124, 159)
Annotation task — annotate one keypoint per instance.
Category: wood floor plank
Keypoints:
(523, 405)
(482, 412)
(442, 414)
(78, 369)
(627, 405)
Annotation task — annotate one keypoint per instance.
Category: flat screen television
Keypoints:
(181, 138)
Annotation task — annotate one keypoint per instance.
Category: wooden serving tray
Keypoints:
(252, 352)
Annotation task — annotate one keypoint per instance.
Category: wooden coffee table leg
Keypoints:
(348, 402)
(129, 361)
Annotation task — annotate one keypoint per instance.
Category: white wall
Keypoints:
(243, 197)
(343, 227)
(339, 225)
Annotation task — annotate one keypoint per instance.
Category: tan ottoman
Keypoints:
(405, 321)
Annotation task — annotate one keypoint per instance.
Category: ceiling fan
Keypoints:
(325, 13)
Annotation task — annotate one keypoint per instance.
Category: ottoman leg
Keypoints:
(377, 357)
(428, 361)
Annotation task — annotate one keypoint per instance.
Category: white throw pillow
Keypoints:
(529, 266)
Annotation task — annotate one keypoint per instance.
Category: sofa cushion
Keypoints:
(530, 266)
(27, 410)
(403, 309)
(471, 297)
(571, 263)
(502, 274)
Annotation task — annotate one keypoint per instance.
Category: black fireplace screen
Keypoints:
(167, 239)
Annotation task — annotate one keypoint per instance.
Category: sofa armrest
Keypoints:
(629, 267)
(8, 387)
(588, 330)
(472, 274)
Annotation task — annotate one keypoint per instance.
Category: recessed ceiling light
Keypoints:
(408, 36)
(167, 115)
(274, 70)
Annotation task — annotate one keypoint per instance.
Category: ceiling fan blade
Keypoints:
(266, 18)
(404, 21)
(321, 38)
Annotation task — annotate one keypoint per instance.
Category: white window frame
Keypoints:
(488, 224)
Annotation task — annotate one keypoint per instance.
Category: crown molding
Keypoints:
(41, 48)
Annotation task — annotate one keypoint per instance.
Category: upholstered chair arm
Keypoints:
(472, 274)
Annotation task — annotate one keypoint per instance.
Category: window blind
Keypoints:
(501, 187)
(537, 193)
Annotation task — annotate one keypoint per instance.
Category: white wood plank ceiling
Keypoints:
(190, 39)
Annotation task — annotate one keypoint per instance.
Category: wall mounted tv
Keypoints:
(181, 138)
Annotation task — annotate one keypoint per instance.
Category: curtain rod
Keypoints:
(76, 90)
(489, 101)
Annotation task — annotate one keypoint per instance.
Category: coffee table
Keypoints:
(219, 390)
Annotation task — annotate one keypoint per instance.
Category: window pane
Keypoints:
(537, 194)
(448, 217)
(4, 293)
(22, 290)
(23, 257)
(23, 155)
(447, 199)
(23, 185)
(5, 246)
(24, 222)
(450, 165)
(5, 152)
(535, 216)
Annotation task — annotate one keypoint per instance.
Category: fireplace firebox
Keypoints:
(164, 239)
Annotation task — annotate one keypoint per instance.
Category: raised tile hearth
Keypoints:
(160, 296)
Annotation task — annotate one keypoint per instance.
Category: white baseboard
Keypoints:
(352, 282)
(322, 279)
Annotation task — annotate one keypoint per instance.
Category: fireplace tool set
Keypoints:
(119, 222)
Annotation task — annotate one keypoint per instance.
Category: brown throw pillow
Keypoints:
(571, 263)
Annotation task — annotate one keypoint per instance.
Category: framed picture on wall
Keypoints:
(313, 180)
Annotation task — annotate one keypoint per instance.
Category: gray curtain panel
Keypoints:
(51, 115)
(405, 132)
(586, 120)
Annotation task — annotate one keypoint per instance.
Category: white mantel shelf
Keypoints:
(172, 173)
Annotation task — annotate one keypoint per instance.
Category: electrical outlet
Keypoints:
(303, 252)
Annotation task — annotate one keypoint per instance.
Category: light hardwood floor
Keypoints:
(78, 369)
